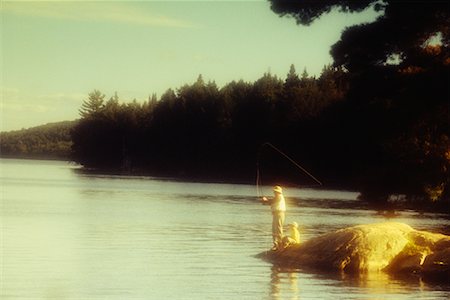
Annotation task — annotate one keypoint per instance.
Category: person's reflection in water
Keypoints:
(284, 283)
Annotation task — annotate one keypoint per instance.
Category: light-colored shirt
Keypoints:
(278, 203)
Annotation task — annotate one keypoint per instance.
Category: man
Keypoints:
(278, 206)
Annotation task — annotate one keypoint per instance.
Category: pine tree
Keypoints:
(292, 79)
(92, 106)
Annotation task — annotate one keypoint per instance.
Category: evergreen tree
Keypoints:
(399, 79)
(93, 106)
(292, 80)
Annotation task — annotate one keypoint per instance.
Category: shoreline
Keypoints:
(389, 206)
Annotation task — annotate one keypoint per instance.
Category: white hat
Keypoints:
(294, 224)
(278, 189)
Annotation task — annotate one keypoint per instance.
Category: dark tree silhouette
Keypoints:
(199, 130)
(398, 68)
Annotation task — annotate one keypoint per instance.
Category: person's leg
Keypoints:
(277, 228)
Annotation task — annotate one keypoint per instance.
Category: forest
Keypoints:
(49, 141)
(201, 132)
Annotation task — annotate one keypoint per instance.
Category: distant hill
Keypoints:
(49, 141)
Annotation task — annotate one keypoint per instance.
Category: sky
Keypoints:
(54, 53)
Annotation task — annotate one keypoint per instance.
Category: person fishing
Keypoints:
(278, 207)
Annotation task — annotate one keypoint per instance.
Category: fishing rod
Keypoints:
(258, 175)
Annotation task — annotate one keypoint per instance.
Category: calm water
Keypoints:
(68, 235)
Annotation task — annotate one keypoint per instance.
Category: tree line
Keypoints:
(200, 131)
(49, 141)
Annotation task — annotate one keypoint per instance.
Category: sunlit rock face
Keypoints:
(390, 247)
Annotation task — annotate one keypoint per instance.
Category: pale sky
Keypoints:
(54, 53)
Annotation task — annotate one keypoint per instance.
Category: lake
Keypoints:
(66, 234)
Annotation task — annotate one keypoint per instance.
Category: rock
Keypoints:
(390, 247)
(437, 265)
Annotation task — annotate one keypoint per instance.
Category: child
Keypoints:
(294, 237)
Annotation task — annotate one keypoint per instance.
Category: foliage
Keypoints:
(94, 104)
(395, 117)
(52, 140)
(200, 130)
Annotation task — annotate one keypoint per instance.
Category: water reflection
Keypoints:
(290, 283)
(284, 283)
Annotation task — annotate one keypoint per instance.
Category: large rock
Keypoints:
(390, 247)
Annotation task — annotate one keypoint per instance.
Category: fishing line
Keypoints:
(258, 175)
(258, 178)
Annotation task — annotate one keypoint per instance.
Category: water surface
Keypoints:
(69, 235)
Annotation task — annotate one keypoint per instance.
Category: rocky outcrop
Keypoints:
(390, 247)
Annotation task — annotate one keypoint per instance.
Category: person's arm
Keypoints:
(265, 201)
